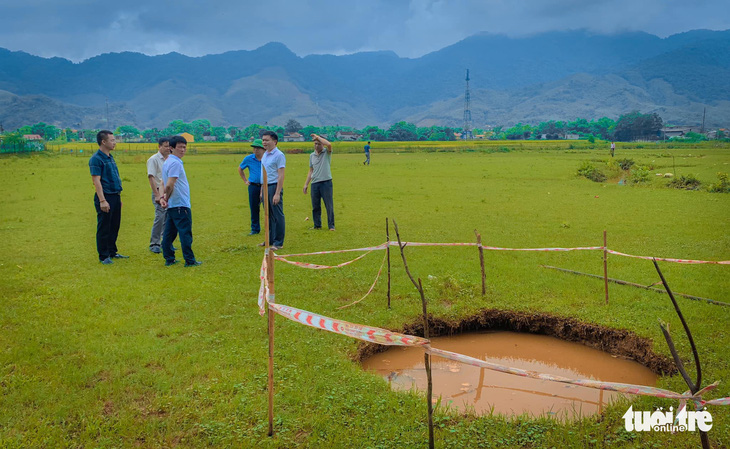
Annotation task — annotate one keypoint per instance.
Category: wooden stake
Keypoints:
(427, 363)
(605, 265)
(426, 355)
(387, 252)
(481, 262)
(269, 313)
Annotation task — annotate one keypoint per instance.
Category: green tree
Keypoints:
(127, 132)
(178, 126)
(518, 132)
(151, 135)
(292, 126)
(636, 125)
(402, 131)
(252, 131)
(309, 130)
(200, 128)
(219, 132)
(373, 133)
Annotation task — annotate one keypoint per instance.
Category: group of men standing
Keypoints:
(170, 196)
(171, 193)
(267, 155)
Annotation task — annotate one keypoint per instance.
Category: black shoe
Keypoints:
(119, 256)
(194, 263)
(170, 262)
(107, 261)
(253, 233)
(155, 249)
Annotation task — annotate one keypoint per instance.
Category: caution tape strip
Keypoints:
(359, 331)
(371, 287)
(315, 266)
(492, 248)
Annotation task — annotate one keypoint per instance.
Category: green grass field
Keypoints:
(140, 355)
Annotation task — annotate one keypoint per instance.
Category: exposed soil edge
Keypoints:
(617, 342)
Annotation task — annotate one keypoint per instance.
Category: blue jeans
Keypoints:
(322, 191)
(179, 221)
(254, 202)
(277, 225)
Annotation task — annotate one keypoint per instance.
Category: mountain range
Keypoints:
(549, 76)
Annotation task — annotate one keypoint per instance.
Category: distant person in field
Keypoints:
(154, 176)
(367, 153)
(613, 148)
(253, 163)
(177, 201)
(321, 178)
(274, 162)
(107, 200)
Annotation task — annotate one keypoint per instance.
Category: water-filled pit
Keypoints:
(463, 387)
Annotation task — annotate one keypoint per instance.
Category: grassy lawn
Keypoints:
(140, 355)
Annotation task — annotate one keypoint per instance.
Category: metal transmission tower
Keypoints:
(466, 133)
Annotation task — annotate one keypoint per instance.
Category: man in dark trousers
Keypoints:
(107, 199)
(320, 176)
(177, 201)
(253, 163)
(274, 162)
(367, 153)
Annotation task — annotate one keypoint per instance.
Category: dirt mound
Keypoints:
(617, 342)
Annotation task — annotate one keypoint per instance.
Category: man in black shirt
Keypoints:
(107, 200)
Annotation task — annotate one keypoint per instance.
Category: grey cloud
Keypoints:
(79, 29)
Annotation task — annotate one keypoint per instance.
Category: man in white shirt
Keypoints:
(274, 162)
(154, 176)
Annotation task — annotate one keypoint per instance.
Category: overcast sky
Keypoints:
(80, 29)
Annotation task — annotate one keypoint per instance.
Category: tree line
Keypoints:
(628, 127)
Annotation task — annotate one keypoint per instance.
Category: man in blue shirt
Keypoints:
(275, 163)
(107, 199)
(177, 201)
(367, 153)
(253, 163)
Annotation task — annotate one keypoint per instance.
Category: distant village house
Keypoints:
(347, 136)
(293, 137)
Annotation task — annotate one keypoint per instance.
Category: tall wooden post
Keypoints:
(269, 313)
(426, 355)
(481, 262)
(387, 252)
(605, 265)
(427, 364)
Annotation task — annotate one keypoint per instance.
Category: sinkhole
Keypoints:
(538, 342)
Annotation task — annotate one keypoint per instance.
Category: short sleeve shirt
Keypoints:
(320, 164)
(272, 161)
(173, 168)
(104, 166)
(254, 168)
(367, 148)
(154, 167)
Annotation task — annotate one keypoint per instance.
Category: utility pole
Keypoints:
(704, 112)
(466, 132)
(107, 114)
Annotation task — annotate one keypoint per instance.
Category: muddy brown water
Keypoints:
(463, 387)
